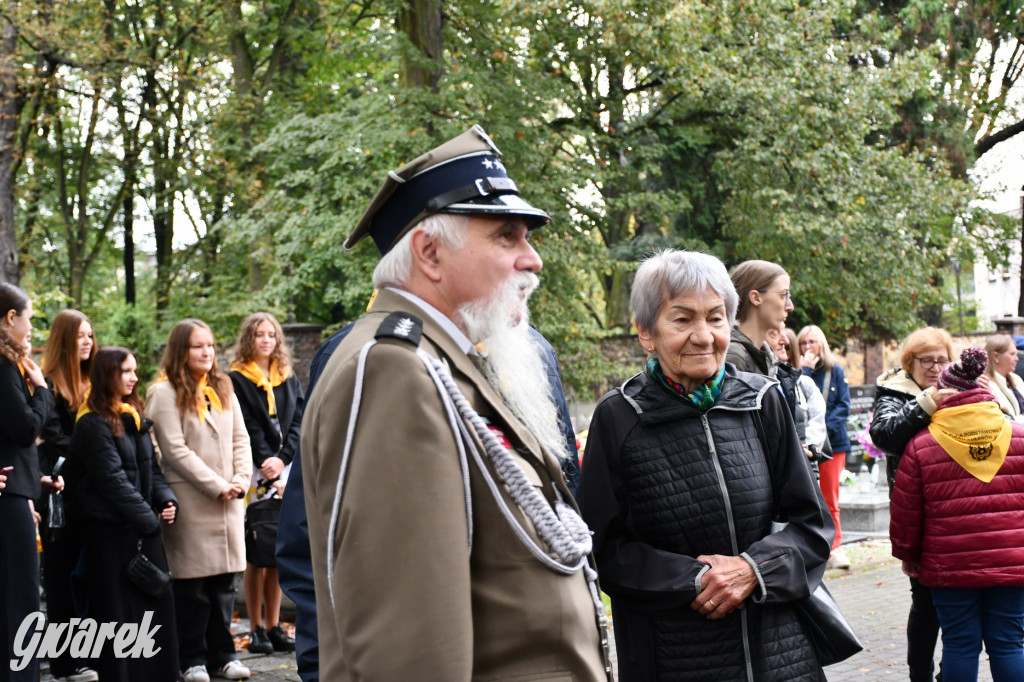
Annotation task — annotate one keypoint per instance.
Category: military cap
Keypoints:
(463, 175)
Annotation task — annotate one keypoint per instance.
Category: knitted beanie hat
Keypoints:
(963, 375)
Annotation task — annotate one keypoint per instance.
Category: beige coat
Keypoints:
(199, 461)
(1004, 396)
(410, 602)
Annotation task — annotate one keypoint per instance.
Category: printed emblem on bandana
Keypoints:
(981, 452)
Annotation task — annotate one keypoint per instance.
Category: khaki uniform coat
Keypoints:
(199, 460)
(410, 602)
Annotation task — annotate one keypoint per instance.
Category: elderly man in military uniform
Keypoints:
(445, 543)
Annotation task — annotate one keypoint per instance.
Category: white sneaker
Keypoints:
(839, 560)
(233, 670)
(196, 673)
(80, 675)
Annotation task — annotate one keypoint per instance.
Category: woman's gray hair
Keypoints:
(395, 267)
(670, 273)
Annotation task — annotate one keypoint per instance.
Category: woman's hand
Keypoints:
(809, 359)
(279, 487)
(32, 371)
(49, 482)
(232, 492)
(984, 382)
(35, 515)
(725, 587)
(911, 568)
(169, 512)
(272, 468)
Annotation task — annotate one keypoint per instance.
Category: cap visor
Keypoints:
(504, 204)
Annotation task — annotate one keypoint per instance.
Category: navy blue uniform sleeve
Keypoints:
(294, 560)
(570, 466)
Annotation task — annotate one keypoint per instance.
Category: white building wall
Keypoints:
(998, 290)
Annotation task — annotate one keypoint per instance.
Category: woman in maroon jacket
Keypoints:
(958, 524)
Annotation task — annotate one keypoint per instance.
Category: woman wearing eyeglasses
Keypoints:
(905, 400)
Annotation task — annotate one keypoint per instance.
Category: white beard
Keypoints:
(515, 367)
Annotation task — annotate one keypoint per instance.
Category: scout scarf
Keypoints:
(253, 373)
(976, 436)
(31, 386)
(125, 409)
(207, 396)
(702, 397)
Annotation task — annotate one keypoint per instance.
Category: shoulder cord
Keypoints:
(357, 395)
(565, 532)
(560, 528)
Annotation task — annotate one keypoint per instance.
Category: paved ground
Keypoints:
(874, 595)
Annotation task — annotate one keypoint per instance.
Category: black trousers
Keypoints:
(19, 580)
(203, 607)
(62, 550)
(922, 633)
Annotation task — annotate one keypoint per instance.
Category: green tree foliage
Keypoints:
(241, 142)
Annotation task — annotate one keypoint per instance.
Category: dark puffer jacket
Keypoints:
(963, 532)
(116, 480)
(664, 483)
(898, 414)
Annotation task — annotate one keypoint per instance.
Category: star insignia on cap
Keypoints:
(488, 164)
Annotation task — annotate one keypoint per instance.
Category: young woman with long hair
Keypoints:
(26, 406)
(67, 361)
(764, 304)
(817, 361)
(272, 403)
(207, 462)
(121, 503)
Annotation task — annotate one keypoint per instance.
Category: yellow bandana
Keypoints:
(206, 393)
(125, 409)
(976, 436)
(207, 396)
(31, 386)
(253, 373)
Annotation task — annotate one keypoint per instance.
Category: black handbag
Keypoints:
(261, 519)
(830, 634)
(147, 576)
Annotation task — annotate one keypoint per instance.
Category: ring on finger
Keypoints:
(712, 604)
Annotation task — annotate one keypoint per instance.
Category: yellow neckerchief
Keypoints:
(125, 409)
(206, 394)
(976, 436)
(253, 373)
(31, 388)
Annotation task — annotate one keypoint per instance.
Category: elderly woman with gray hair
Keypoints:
(686, 465)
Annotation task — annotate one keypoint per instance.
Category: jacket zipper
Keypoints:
(732, 535)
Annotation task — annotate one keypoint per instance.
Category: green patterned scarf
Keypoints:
(702, 397)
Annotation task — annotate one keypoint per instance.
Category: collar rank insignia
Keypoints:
(401, 326)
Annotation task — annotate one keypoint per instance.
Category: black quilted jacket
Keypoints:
(662, 484)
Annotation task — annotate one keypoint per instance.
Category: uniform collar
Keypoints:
(440, 318)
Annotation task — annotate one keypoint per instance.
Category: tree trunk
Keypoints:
(422, 21)
(10, 106)
(129, 249)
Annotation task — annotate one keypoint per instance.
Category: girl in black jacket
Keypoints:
(26, 406)
(271, 399)
(119, 505)
(67, 362)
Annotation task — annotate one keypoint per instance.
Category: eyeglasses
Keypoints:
(782, 292)
(928, 363)
(784, 346)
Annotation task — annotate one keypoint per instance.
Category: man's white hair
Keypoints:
(395, 267)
